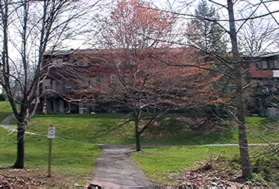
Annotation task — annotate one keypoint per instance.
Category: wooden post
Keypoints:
(49, 156)
(51, 136)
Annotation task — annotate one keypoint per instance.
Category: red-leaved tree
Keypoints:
(135, 36)
(136, 60)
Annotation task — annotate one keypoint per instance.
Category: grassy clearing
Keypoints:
(173, 133)
(5, 110)
(164, 164)
(96, 129)
(74, 155)
(263, 130)
(70, 158)
(103, 129)
(75, 149)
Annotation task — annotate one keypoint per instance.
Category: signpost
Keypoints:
(51, 137)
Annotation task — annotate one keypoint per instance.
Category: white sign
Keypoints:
(51, 133)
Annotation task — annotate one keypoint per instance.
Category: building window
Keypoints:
(68, 88)
(271, 64)
(66, 58)
(259, 65)
(276, 64)
(264, 65)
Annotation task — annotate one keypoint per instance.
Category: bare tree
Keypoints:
(28, 29)
(258, 37)
(236, 69)
(132, 28)
(133, 36)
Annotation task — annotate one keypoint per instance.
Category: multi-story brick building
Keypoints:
(63, 90)
(62, 94)
(264, 76)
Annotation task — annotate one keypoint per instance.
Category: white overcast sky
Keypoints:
(243, 9)
(175, 5)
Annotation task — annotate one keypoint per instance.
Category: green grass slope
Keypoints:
(5, 110)
(95, 129)
(163, 164)
(75, 150)
(70, 158)
(260, 130)
(74, 157)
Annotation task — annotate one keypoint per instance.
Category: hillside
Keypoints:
(172, 146)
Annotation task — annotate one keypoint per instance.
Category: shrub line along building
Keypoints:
(58, 90)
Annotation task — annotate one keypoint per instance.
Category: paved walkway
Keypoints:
(116, 170)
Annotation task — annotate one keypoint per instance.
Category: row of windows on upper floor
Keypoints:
(272, 64)
(92, 82)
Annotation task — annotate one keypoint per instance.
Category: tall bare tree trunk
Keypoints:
(243, 138)
(19, 164)
(33, 34)
(137, 135)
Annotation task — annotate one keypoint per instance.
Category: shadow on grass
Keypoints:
(114, 133)
(175, 133)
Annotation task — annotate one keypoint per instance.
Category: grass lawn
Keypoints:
(104, 129)
(96, 129)
(73, 158)
(75, 149)
(165, 164)
(5, 110)
(263, 130)
(70, 158)
(260, 130)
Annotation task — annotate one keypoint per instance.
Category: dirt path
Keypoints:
(116, 170)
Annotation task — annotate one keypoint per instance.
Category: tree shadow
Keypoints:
(174, 132)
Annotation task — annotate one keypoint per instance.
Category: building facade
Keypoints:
(68, 81)
(264, 76)
(73, 77)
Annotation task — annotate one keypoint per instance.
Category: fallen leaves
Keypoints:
(19, 179)
(32, 179)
